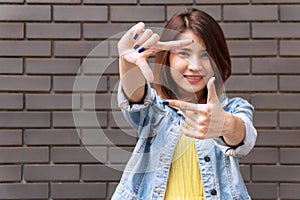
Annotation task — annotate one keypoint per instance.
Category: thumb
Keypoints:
(146, 70)
(211, 91)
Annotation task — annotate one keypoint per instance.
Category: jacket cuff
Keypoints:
(125, 104)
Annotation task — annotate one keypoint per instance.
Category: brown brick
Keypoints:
(24, 154)
(114, 83)
(25, 48)
(275, 30)
(119, 155)
(80, 49)
(79, 119)
(289, 191)
(252, 48)
(55, 31)
(100, 101)
(52, 66)
(80, 13)
(289, 156)
(24, 83)
(14, 1)
(10, 173)
(24, 119)
(240, 65)
(138, 13)
(236, 30)
(250, 13)
(265, 119)
(51, 172)
(275, 1)
(276, 101)
(25, 13)
(109, 137)
(52, 101)
(78, 190)
(289, 119)
(290, 48)
(51, 137)
(80, 83)
(14, 31)
(101, 172)
(251, 83)
(105, 31)
(289, 13)
(117, 120)
(11, 101)
(111, 189)
(262, 156)
(262, 190)
(166, 2)
(221, 1)
(54, 1)
(214, 11)
(11, 66)
(289, 83)
(101, 66)
(276, 173)
(278, 138)
(110, 1)
(78, 154)
(246, 172)
(275, 65)
(24, 190)
(10, 137)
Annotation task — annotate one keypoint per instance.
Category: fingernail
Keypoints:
(135, 36)
(141, 50)
(164, 102)
(136, 46)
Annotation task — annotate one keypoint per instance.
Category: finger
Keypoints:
(211, 91)
(197, 114)
(146, 70)
(173, 45)
(191, 133)
(187, 106)
(136, 30)
(187, 130)
(149, 43)
(192, 122)
(143, 38)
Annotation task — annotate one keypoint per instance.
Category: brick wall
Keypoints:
(46, 154)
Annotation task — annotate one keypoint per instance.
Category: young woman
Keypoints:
(190, 133)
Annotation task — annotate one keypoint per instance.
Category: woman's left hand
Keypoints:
(203, 121)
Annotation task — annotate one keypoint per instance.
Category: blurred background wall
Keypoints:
(46, 154)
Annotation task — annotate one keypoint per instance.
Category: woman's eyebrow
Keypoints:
(185, 49)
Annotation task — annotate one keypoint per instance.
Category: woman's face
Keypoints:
(190, 66)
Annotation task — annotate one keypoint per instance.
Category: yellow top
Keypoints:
(184, 181)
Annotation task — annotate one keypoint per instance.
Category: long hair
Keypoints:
(206, 28)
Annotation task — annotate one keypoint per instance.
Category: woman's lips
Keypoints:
(193, 78)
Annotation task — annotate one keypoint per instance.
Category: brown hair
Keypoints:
(204, 26)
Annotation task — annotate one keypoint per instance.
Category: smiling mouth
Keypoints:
(193, 79)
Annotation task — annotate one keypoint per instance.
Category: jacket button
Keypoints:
(213, 192)
(207, 159)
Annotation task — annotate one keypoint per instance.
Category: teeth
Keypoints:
(192, 77)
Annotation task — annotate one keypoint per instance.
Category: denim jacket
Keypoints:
(146, 173)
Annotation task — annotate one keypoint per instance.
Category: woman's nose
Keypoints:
(195, 65)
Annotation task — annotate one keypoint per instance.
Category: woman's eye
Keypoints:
(183, 54)
(204, 55)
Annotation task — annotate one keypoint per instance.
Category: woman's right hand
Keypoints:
(138, 43)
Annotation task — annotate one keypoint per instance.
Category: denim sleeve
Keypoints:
(244, 110)
(136, 113)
